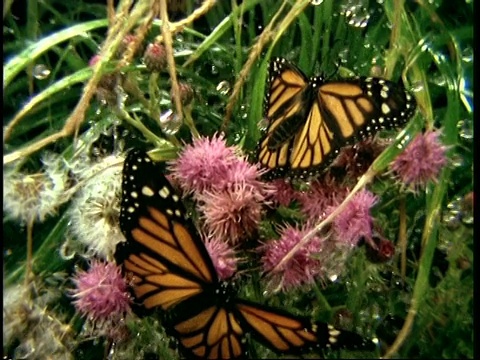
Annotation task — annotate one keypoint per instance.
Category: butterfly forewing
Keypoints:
(285, 102)
(366, 105)
(163, 255)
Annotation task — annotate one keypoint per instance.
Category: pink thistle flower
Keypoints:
(302, 268)
(203, 164)
(353, 161)
(101, 293)
(421, 161)
(322, 194)
(355, 221)
(241, 171)
(223, 257)
(232, 214)
(282, 192)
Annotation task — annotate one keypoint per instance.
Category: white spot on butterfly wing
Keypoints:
(385, 109)
(147, 191)
(164, 192)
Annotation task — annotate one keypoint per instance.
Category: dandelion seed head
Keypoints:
(95, 210)
(29, 197)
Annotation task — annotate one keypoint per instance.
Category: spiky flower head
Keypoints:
(421, 161)
(204, 164)
(155, 57)
(303, 268)
(232, 214)
(223, 257)
(321, 195)
(355, 221)
(282, 192)
(101, 293)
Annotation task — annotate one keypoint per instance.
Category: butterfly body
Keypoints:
(169, 269)
(310, 120)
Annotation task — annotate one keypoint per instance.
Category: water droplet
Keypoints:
(67, 252)
(343, 55)
(376, 71)
(355, 13)
(262, 124)
(214, 70)
(170, 123)
(316, 2)
(333, 277)
(467, 55)
(243, 111)
(41, 72)
(457, 160)
(223, 87)
(417, 87)
(465, 129)
(438, 80)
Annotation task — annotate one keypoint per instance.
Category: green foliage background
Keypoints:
(432, 54)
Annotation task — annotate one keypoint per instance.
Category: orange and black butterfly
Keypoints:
(309, 120)
(170, 269)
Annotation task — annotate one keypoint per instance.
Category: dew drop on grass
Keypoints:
(467, 55)
(355, 12)
(262, 124)
(316, 2)
(170, 123)
(465, 129)
(41, 72)
(223, 87)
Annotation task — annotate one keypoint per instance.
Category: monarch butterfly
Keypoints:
(170, 269)
(309, 120)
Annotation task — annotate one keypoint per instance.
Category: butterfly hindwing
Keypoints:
(283, 332)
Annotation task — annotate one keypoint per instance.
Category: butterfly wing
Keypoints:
(171, 269)
(207, 328)
(285, 333)
(357, 108)
(328, 116)
(285, 106)
(163, 256)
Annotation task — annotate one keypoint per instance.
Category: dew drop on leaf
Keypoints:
(170, 123)
(223, 87)
(41, 72)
